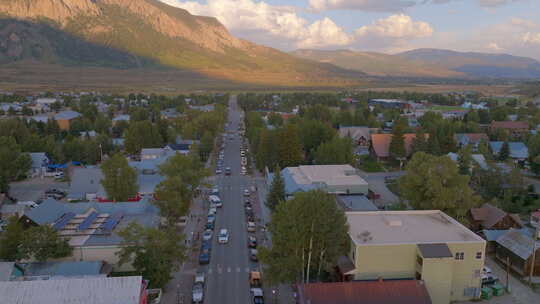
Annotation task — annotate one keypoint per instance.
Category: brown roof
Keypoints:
(489, 215)
(510, 125)
(365, 292)
(381, 143)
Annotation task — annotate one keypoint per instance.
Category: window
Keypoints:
(460, 255)
(479, 255)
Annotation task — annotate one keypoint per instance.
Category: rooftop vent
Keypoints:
(364, 236)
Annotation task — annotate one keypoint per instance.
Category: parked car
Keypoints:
(218, 171)
(197, 293)
(206, 246)
(246, 192)
(204, 258)
(253, 255)
(215, 191)
(211, 217)
(251, 227)
(257, 294)
(212, 211)
(207, 235)
(209, 226)
(223, 236)
(200, 278)
(252, 242)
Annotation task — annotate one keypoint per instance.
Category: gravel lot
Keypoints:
(34, 189)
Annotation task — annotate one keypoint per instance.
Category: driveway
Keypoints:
(377, 184)
(34, 189)
(520, 292)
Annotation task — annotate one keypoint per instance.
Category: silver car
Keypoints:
(197, 293)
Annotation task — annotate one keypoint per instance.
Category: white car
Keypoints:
(199, 278)
(251, 227)
(207, 235)
(246, 192)
(197, 294)
(212, 211)
(223, 237)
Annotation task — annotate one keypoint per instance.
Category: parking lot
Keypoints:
(34, 189)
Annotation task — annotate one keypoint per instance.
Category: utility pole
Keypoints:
(507, 273)
(533, 261)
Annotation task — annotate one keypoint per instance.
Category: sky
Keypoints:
(388, 26)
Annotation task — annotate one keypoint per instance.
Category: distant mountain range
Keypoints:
(429, 63)
(146, 33)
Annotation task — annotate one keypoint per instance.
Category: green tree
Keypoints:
(173, 199)
(275, 119)
(290, 149)
(397, 145)
(43, 243)
(119, 179)
(504, 153)
(434, 182)
(420, 143)
(188, 167)
(465, 160)
(10, 240)
(13, 163)
(142, 134)
(309, 232)
(335, 152)
(207, 145)
(154, 253)
(277, 190)
(483, 148)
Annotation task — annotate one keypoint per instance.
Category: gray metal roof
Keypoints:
(357, 203)
(39, 159)
(67, 115)
(519, 243)
(63, 269)
(118, 290)
(85, 180)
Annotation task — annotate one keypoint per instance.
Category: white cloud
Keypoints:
(260, 21)
(531, 38)
(396, 26)
(364, 5)
(494, 3)
(494, 47)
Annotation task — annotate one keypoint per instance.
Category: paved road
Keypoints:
(227, 274)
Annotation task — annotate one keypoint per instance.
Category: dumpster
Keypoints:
(498, 290)
(486, 293)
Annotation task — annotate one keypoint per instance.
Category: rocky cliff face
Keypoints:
(173, 22)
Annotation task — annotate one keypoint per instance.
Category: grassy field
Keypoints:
(445, 108)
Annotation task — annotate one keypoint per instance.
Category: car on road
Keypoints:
(251, 227)
(252, 242)
(218, 171)
(197, 293)
(258, 297)
(253, 255)
(223, 236)
(204, 258)
(228, 171)
(207, 235)
(246, 192)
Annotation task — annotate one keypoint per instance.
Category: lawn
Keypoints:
(446, 108)
(370, 165)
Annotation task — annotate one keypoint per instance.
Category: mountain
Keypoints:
(147, 33)
(477, 64)
(377, 64)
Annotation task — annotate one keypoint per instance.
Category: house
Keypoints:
(46, 101)
(518, 150)
(389, 103)
(372, 292)
(205, 108)
(474, 139)
(492, 218)
(119, 118)
(125, 290)
(92, 228)
(153, 153)
(86, 185)
(380, 144)
(38, 118)
(514, 128)
(355, 203)
(359, 135)
(535, 219)
(425, 245)
(169, 114)
(454, 114)
(517, 247)
(334, 179)
(479, 160)
(491, 237)
(40, 162)
(183, 148)
(65, 118)
(88, 134)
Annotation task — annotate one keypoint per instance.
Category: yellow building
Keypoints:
(423, 245)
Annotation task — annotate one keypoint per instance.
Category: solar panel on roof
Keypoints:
(112, 221)
(63, 221)
(87, 221)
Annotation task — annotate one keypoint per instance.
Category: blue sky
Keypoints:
(389, 26)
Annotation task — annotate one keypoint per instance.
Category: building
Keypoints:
(421, 245)
(125, 290)
(474, 139)
(492, 218)
(516, 248)
(478, 160)
(46, 101)
(389, 103)
(380, 144)
(359, 135)
(373, 292)
(54, 270)
(334, 179)
(119, 118)
(65, 118)
(356, 203)
(205, 108)
(92, 228)
(518, 150)
(40, 162)
(514, 128)
(153, 153)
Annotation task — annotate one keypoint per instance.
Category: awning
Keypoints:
(345, 265)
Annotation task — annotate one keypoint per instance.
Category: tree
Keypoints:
(142, 134)
(173, 199)
(335, 152)
(277, 190)
(13, 163)
(465, 160)
(119, 179)
(483, 148)
(420, 143)
(43, 243)
(10, 240)
(290, 149)
(154, 253)
(187, 167)
(504, 153)
(434, 182)
(207, 145)
(275, 119)
(309, 232)
(397, 145)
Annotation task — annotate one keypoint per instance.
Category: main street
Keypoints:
(228, 271)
